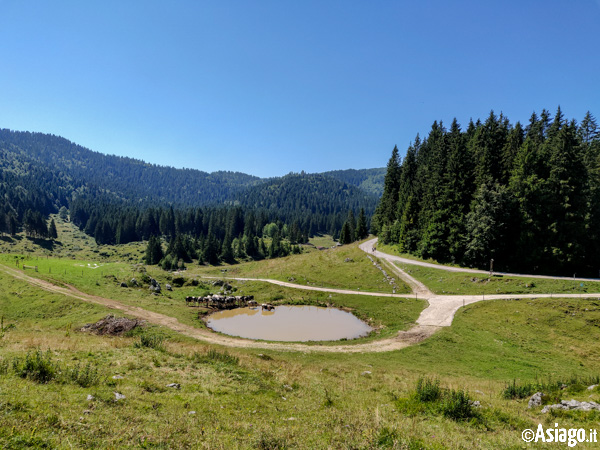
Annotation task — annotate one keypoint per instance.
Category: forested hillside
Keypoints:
(369, 180)
(126, 177)
(212, 217)
(526, 196)
(319, 204)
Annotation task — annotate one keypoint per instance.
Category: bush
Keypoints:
(84, 377)
(154, 341)
(457, 405)
(513, 391)
(178, 281)
(36, 367)
(216, 356)
(428, 390)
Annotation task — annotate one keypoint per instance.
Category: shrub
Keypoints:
(457, 405)
(512, 391)
(216, 356)
(154, 341)
(36, 366)
(428, 390)
(84, 376)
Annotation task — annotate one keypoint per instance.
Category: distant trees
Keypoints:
(528, 197)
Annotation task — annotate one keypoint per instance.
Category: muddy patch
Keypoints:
(290, 323)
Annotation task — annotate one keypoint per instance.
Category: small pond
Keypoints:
(289, 323)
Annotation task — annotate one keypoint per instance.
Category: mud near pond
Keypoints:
(289, 323)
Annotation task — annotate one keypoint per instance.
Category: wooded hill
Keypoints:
(526, 196)
(118, 200)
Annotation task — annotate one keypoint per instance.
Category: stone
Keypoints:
(191, 413)
(90, 397)
(118, 377)
(366, 372)
(124, 285)
(592, 387)
(573, 405)
(174, 385)
(169, 288)
(535, 400)
(119, 396)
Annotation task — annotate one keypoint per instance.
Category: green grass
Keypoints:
(322, 241)
(251, 398)
(245, 398)
(453, 283)
(345, 267)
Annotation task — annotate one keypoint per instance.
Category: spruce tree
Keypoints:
(154, 252)
(52, 233)
(361, 226)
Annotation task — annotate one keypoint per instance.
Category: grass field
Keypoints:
(444, 282)
(252, 398)
(345, 267)
(249, 399)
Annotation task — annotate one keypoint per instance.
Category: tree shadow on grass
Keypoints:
(45, 243)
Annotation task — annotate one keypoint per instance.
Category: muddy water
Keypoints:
(289, 323)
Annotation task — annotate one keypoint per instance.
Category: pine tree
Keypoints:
(346, 234)
(386, 210)
(361, 226)
(154, 252)
(52, 233)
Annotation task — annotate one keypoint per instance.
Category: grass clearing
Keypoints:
(245, 398)
(453, 283)
(253, 398)
(345, 267)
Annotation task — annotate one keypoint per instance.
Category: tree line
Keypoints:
(527, 197)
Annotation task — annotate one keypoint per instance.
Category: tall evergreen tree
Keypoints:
(362, 230)
(154, 252)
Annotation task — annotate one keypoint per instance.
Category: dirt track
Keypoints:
(439, 312)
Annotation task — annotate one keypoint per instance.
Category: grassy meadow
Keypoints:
(443, 282)
(256, 399)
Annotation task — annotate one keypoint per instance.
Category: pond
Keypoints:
(289, 323)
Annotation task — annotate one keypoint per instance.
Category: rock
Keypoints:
(169, 288)
(476, 404)
(119, 396)
(174, 385)
(593, 386)
(87, 411)
(348, 260)
(113, 326)
(90, 397)
(134, 282)
(118, 377)
(573, 405)
(191, 413)
(366, 372)
(124, 285)
(287, 387)
(535, 400)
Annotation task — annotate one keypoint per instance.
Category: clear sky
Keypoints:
(269, 87)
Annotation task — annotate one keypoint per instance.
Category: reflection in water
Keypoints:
(289, 323)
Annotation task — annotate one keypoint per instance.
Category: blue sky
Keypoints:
(269, 87)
